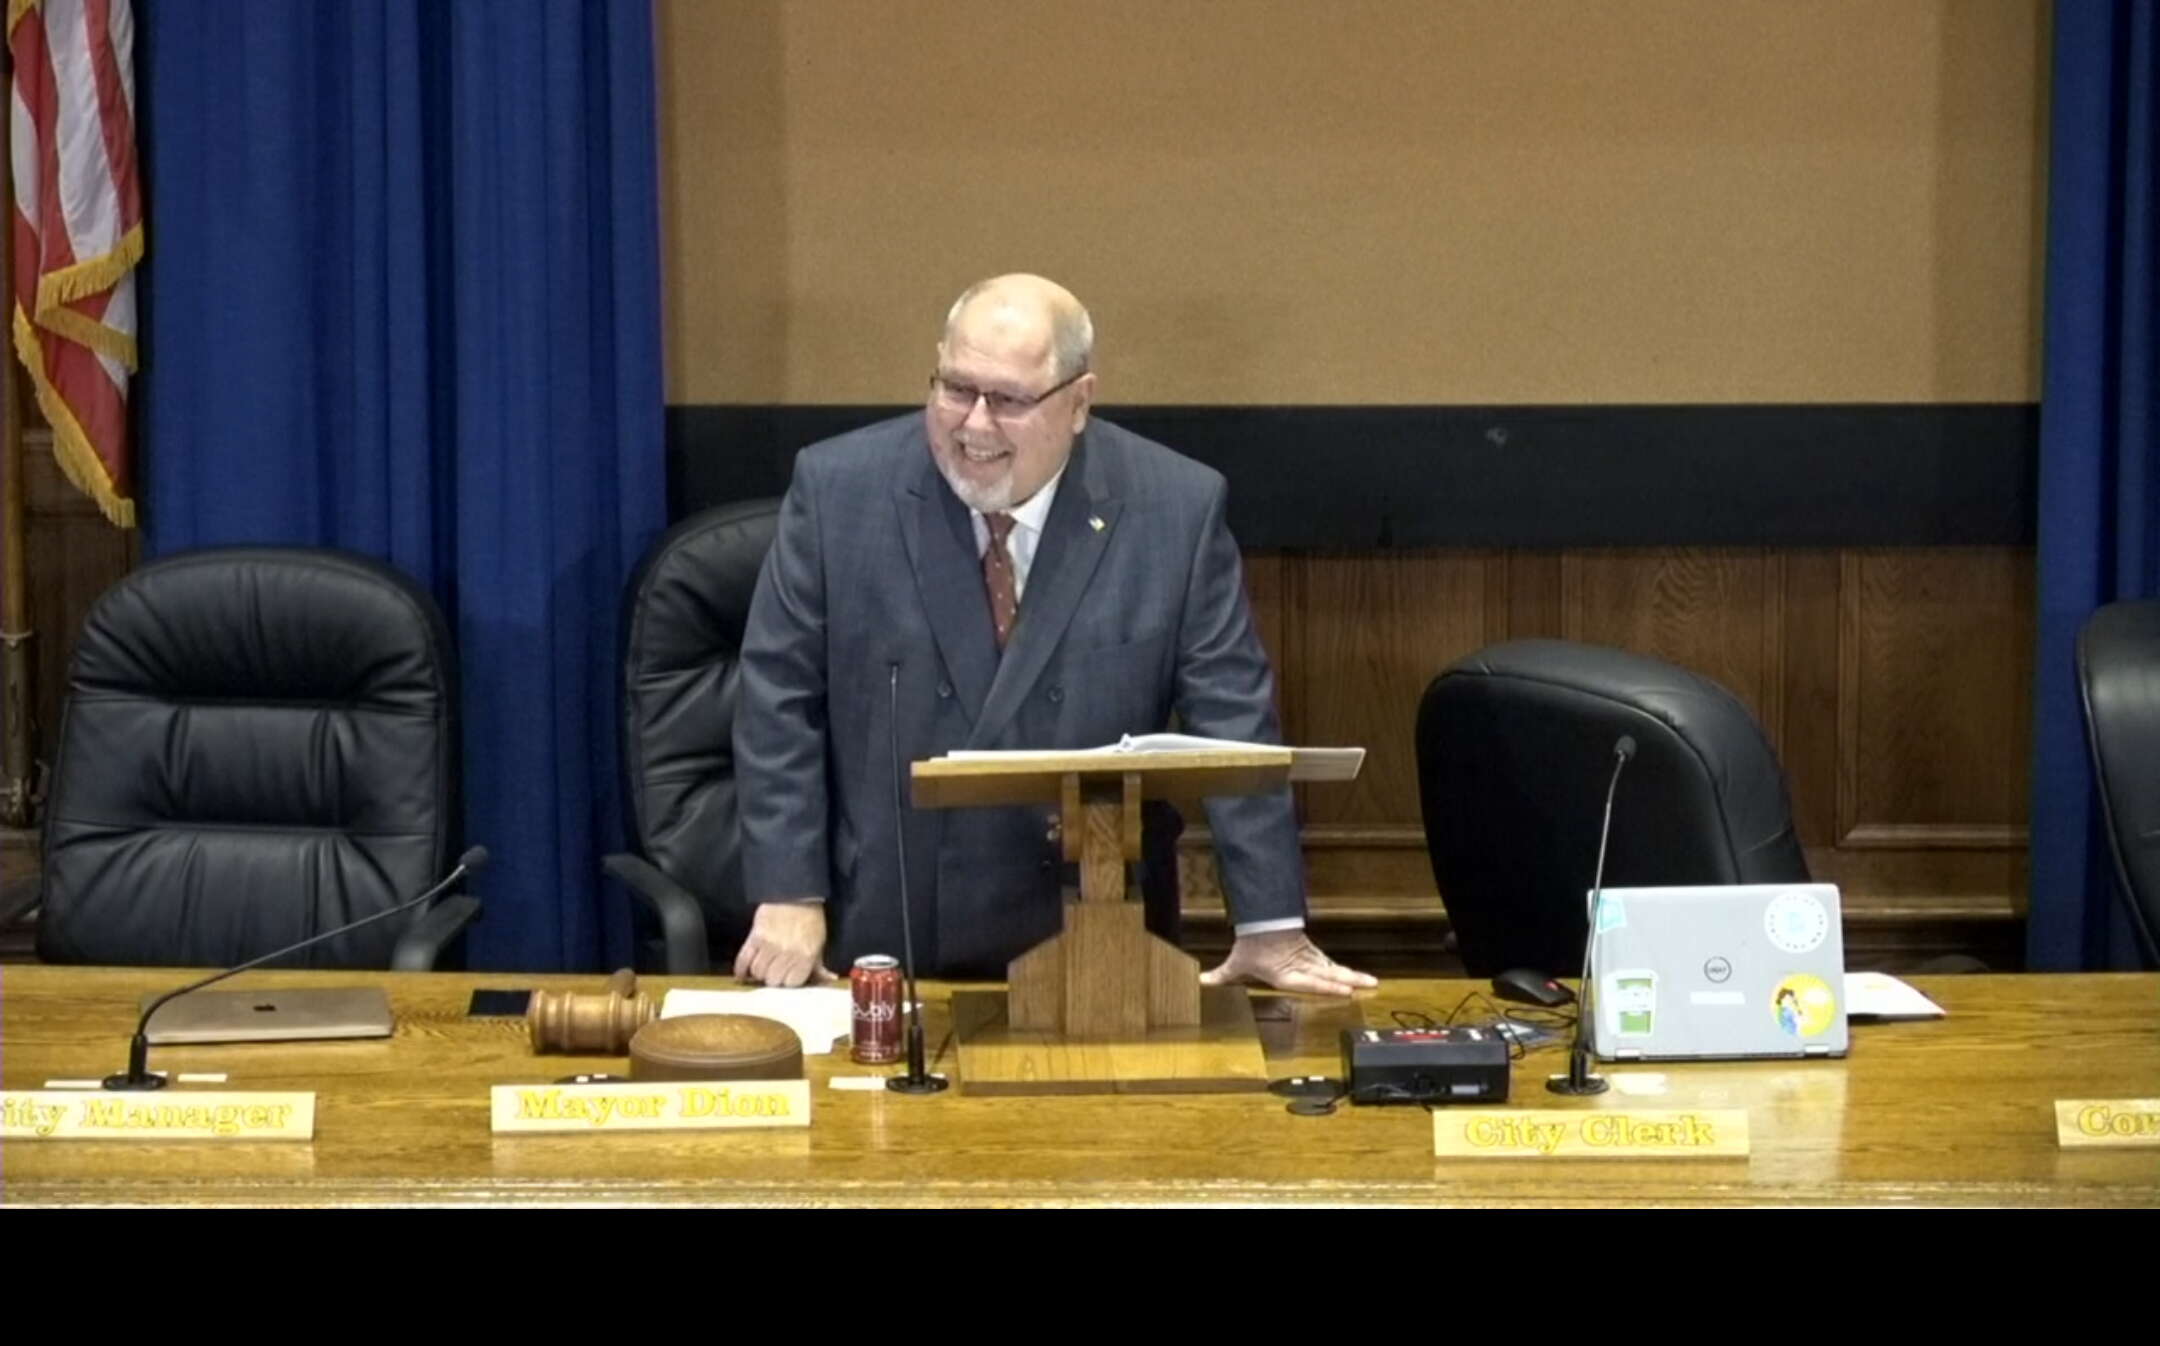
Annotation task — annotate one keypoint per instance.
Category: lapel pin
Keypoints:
(1095, 522)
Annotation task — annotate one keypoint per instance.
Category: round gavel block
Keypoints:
(716, 1047)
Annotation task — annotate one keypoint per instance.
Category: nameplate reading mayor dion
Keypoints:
(174, 1114)
(1606, 1133)
(674, 1106)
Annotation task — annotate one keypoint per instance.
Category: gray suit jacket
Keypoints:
(874, 569)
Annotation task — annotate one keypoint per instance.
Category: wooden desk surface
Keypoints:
(1956, 1111)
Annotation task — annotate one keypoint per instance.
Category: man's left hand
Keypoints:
(1287, 961)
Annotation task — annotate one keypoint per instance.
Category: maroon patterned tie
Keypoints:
(998, 578)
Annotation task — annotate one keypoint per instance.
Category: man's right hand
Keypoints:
(786, 945)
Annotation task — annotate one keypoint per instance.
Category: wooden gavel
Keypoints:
(587, 1024)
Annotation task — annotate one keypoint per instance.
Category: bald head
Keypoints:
(1021, 311)
(1012, 390)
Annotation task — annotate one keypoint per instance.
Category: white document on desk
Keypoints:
(1876, 995)
(820, 1015)
(1317, 764)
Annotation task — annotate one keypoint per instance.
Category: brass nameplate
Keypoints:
(2107, 1123)
(674, 1106)
(1554, 1133)
(169, 1114)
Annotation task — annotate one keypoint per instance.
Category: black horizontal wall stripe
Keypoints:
(1533, 476)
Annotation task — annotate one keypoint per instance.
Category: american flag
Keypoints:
(78, 230)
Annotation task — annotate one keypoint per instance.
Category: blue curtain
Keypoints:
(403, 297)
(2099, 531)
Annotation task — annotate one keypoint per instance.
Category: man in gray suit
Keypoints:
(999, 572)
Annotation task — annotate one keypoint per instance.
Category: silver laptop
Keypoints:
(1740, 971)
(272, 1016)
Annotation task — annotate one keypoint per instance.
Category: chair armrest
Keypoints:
(421, 947)
(682, 921)
(16, 902)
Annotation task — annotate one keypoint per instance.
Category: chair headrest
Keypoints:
(268, 624)
(1684, 701)
(690, 600)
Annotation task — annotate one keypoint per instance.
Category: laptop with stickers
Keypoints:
(1731, 972)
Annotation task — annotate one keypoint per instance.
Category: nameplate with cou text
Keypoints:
(170, 1114)
(1557, 1133)
(674, 1106)
(2107, 1123)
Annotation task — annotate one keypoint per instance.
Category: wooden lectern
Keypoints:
(1104, 1007)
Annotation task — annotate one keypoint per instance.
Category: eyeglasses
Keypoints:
(961, 397)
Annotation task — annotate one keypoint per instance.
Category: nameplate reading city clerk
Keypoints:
(651, 1107)
(172, 1114)
(1553, 1133)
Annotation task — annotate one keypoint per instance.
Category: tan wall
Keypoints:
(1542, 201)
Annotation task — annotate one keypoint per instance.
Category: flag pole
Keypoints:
(17, 801)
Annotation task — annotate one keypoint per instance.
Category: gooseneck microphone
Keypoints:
(1579, 1080)
(918, 1080)
(138, 1074)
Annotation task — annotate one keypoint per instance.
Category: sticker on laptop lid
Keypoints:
(1803, 1005)
(1611, 913)
(1629, 1000)
(1796, 922)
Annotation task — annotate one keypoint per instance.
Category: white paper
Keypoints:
(1319, 764)
(1876, 995)
(1182, 743)
(820, 1015)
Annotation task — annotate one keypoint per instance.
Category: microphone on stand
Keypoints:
(918, 1080)
(138, 1074)
(1579, 1079)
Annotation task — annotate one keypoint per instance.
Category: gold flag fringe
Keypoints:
(71, 447)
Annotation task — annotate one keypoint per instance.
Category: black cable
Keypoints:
(939, 1054)
(1555, 1021)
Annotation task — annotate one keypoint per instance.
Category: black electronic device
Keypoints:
(1455, 1064)
(492, 1004)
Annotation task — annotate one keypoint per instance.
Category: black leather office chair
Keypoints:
(2119, 670)
(1515, 748)
(258, 744)
(683, 628)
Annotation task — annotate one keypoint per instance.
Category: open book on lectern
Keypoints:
(1316, 764)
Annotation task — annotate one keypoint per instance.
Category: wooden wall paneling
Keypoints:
(1499, 587)
(1718, 612)
(1533, 594)
(1375, 630)
(1934, 699)
(74, 555)
(1808, 747)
